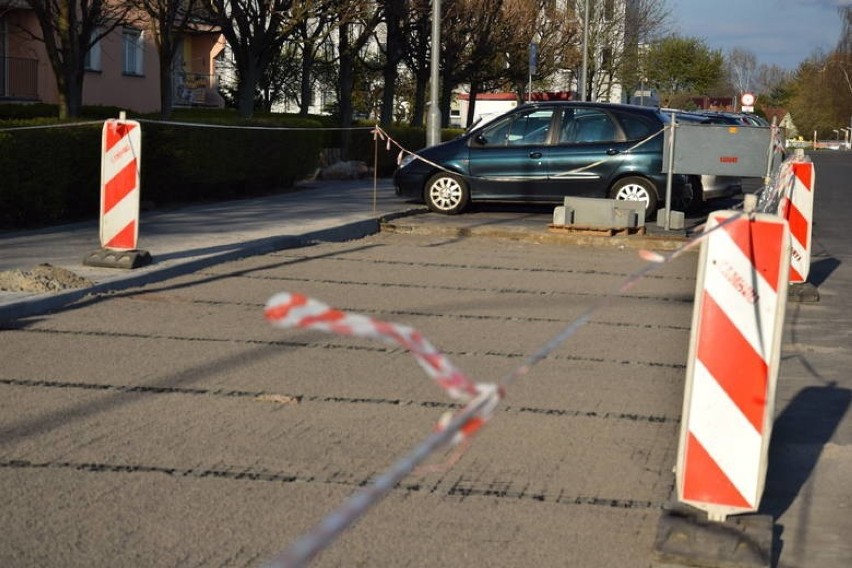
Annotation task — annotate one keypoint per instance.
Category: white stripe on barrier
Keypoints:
(739, 298)
(116, 219)
(716, 421)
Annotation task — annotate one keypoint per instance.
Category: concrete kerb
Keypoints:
(655, 242)
(43, 303)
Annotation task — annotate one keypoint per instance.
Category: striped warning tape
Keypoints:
(288, 310)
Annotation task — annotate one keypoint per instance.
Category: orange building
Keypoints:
(122, 69)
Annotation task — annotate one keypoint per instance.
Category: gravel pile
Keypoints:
(42, 278)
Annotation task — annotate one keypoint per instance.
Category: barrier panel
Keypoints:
(732, 368)
(121, 157)
(797, 207)
(121, 145)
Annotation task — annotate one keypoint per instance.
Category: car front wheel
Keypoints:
(447, 193)
(636, 189)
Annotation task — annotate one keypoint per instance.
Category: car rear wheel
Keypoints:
(636, 189)
(447, 193)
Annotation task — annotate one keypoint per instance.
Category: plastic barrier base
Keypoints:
(127, 259)
(685, 538)
(804, 292)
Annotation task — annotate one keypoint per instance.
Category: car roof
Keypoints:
(591, 104)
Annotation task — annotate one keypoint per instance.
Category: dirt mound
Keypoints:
(42, 278)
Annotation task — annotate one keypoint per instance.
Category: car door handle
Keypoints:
(613, 152)
(535, 155)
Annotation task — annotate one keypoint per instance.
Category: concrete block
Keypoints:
(676, 223)
(603, 213)
(563, 216)
(638, 208)
(685, 538)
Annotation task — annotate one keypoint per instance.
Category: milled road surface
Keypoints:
(134, 431)
(170, 425)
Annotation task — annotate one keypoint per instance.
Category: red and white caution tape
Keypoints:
(288, 310)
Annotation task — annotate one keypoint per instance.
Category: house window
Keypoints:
(133, 52)
(92, 61)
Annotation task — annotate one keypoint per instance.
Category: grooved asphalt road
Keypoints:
(169, 425)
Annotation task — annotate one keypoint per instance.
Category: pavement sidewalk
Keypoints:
(184, 240)
(188, 239)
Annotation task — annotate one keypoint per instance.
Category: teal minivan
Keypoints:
(542, 152)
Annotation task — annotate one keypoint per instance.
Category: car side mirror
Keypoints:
(481, 140)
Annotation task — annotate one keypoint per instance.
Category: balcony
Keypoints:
(18, 78)
(195, 89)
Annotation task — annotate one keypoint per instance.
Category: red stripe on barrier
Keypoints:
(115, 132)
(732, 362)
(765, 259)
(804, 171)
(795, 276)
(713, 484)
(119, 186)
(798, 225)
(125, 238)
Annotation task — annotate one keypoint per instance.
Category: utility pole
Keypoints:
(585, 70)
(433, 119)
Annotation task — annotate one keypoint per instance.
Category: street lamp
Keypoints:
(584, 72)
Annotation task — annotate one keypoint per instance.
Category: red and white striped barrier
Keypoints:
(797, 207)
(121, 146)
(732, 368)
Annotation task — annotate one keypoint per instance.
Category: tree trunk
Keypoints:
(246, 90)
(446, 91)
(305, 79)
(390, 76)
(166, 83)
(346, 81)
(395, 11)
(418, 111)
(471, 106)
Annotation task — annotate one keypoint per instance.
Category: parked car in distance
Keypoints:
(542, 152)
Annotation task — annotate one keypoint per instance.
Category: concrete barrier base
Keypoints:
(127, 259)
(685, 538)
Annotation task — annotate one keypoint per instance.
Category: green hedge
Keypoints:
(52, 175)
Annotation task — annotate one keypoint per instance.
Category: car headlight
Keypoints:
(407, 160)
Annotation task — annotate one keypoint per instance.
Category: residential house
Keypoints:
(122, 69)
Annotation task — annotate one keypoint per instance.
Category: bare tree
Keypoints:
(741, 65)
(311, 35)
(417, 53)
(69, 28)
(618, 30)
(256, 30)
(169, 21)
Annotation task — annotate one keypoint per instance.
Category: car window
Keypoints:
(585, 126)
(524, 129)
(637, 127)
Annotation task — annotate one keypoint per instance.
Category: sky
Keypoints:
(778, 32)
